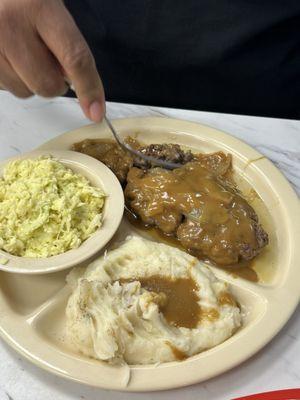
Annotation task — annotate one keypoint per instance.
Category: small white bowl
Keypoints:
(99, 176)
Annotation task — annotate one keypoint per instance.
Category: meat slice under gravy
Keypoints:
(192, 203)
(167, 152)
(109, 153)
(197, 203)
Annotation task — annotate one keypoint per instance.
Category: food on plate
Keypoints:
(193, 204)
(120, 162)
(146, 302)
(198, 203)
(46, 208)
(109, 153)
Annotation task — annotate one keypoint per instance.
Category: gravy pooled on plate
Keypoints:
(146, 302)
(197, 205)
(194, 205)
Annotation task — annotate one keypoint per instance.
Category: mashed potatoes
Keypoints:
(45, 208)
(146, 302)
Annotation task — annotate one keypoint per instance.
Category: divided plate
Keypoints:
(32, 308)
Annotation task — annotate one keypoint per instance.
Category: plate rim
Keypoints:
(267, 164)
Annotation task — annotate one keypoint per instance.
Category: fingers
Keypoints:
(10, 81)
(40, 46)
(27, 55)
(36, 66)
(60, 33)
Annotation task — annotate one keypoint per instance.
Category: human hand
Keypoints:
(40, 48)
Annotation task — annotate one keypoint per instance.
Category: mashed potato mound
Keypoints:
(112, 317)
(46, 208)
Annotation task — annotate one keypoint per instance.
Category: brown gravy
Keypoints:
(178, 354)
(226, 298)
(210, 314)
(180, 301)
(155, 233)
(108, 152)
(196, 207)
(190, 203)
(243, 269)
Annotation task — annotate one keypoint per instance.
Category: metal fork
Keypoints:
(152, 160)
(126, 147)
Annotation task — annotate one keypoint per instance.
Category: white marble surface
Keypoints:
(26, 124)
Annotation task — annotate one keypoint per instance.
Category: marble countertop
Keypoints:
(26, 124)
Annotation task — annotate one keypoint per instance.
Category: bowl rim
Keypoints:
(112, 215)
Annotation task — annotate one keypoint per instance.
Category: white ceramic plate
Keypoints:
(32, 308)
(98, 175)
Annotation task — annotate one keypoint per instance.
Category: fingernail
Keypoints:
(96, 111)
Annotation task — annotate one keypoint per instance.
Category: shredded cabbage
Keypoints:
(46, 208)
